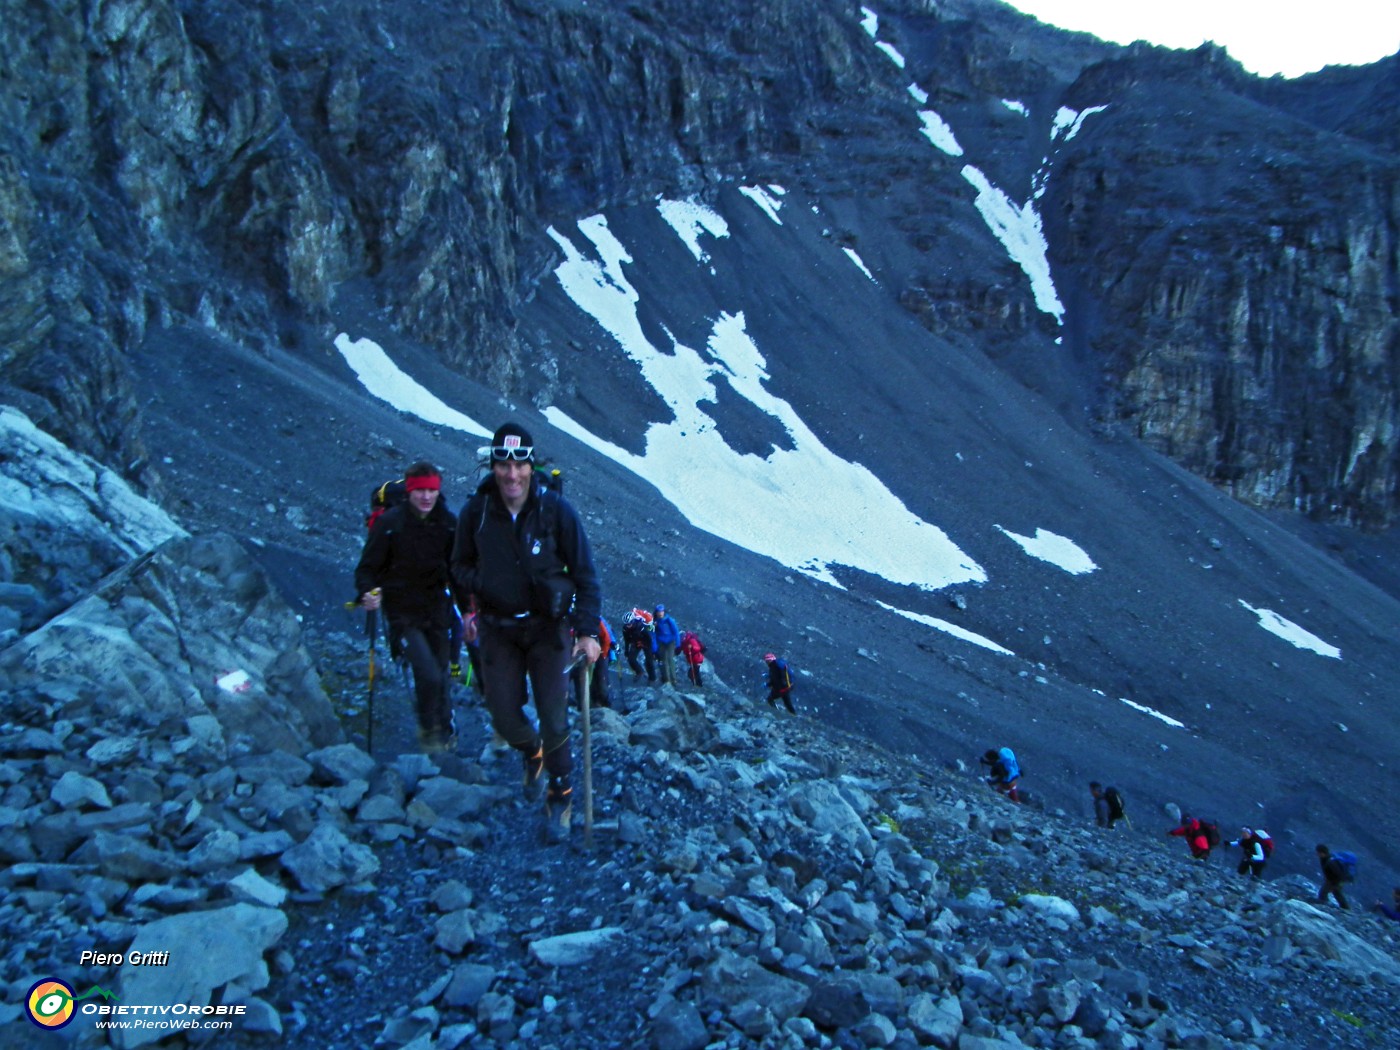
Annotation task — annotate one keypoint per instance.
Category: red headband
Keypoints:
(423, 481)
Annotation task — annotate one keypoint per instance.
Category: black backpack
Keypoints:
(1116, 803)
(1211, 831)
(383, 497)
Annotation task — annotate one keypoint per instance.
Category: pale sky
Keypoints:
(1291, 37)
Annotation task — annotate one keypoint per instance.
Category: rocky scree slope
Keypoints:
(755, 880)
(173, 779)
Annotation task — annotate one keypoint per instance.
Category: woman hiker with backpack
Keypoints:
(404, 568)
(694, 652)
(1255, 849)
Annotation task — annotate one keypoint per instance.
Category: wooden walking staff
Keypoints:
(587, 758)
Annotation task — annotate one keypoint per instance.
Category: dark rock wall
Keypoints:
(231, 163)
(1241, 265)
(1227, 246)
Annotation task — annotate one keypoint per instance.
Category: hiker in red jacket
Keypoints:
(694, 652)
(1194, 832)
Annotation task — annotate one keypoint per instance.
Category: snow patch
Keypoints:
(1019, 229)
(948, 628)
(780, 504)
(690, 219)
(1154, 713)
(1057, 550)
(889, 50)
(851, 254)
(766, 198)
(1069, 121)
(386, 381)
(1292, 633)
(937, 131)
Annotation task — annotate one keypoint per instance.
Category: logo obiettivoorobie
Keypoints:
(50, 1002)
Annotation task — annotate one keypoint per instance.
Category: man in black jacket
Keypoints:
(404, 568)
(522, 552)
(1334, 873)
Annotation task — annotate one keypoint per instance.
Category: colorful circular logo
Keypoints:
(50, 1004)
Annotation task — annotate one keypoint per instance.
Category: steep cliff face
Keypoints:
(1239, 268)
(229, 164)
(1226, 246)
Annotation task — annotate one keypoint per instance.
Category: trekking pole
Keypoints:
(587, 759)
(371, 626)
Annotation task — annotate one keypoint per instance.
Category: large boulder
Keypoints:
(1321, 935)
(185, 959)
(66, 521)
(191, 628)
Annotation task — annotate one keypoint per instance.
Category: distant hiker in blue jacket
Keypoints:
(1389, 912)
(668, 636)
(1005, 771)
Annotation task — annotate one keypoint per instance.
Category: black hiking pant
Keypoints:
(785, 695)
(634, 654)
(427, 650)
(1333, 889)
(538, 649)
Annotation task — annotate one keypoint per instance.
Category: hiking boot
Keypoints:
(558, 816)
(436, 741)
(534, 773)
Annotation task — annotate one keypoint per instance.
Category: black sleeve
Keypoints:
(374, 559)
(462, 564)
(460, 596)
(577, 555)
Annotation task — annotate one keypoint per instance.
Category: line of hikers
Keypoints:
(651, 641)
(1256, 845)
(511, 580)
(1256, 848)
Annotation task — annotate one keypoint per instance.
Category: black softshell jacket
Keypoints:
(495, 558)
(407, 558)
